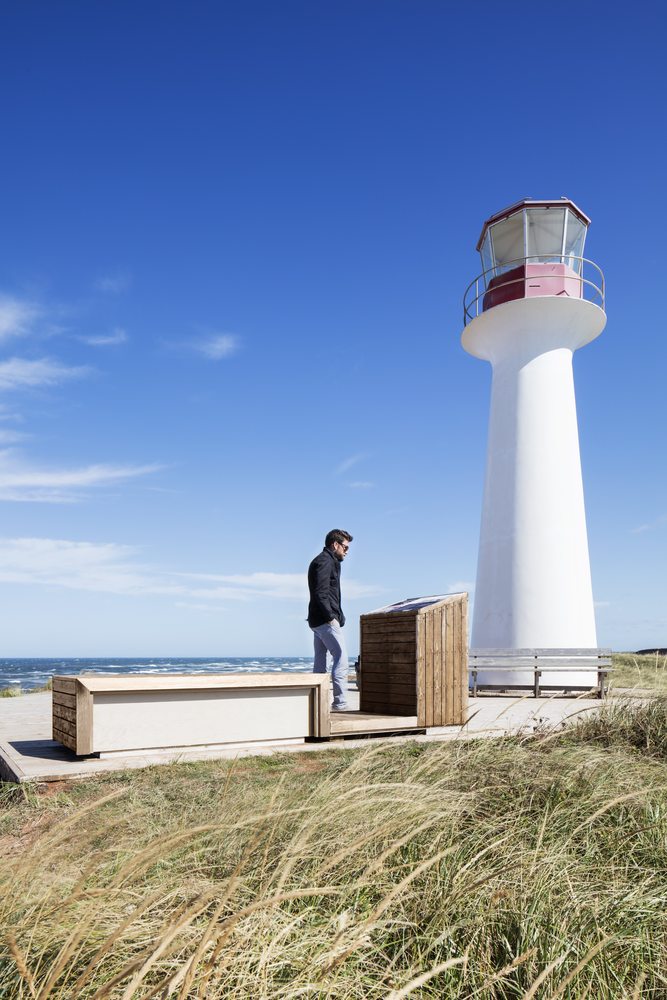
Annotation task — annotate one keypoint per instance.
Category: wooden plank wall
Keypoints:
(442, 665)
(416, 663)
(388, 656)
(64, 711)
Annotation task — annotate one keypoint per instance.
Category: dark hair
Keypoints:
(337, 535)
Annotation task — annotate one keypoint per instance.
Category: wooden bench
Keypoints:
(536, 663)
(106, 714)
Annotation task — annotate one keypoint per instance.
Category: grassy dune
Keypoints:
(644, 672)
(491, 869)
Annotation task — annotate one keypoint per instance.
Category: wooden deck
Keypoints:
(358, 723)
(27, 752)
(121, 714)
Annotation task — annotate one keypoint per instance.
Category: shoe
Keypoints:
(340, 708)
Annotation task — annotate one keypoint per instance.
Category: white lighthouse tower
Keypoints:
(535, 303)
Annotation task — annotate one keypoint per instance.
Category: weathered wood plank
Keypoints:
(421, 672)
(58, 698)
(543, 687)
(540, 652)
(437, 619)
(84, 719)
(379, 635)
(382, 654)
(391, 708)
(524, 658)
(374, 634)
(66, 739)
(375, 691)
(460, 698)
(428, 662)
(390, 622)
(64, 712)
(458, 667)
(377, 672)
(448, 664)
(400, 703)
(404, 690)
(402, 644)
(389, 675)
(66, 726)
(386, 682)
(545, 666)
(347, 724)
(64, 685)
(378, 616)
(194, 682)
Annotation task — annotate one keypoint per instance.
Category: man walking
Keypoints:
(325, 614)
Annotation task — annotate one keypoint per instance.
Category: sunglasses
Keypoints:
(344, 546)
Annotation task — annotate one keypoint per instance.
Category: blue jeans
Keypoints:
(329, 639)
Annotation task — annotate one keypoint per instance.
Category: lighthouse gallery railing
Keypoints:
(589, 289)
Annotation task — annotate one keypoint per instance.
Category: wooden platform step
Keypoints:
(349, 723)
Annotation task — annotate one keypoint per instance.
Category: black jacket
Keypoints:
(324, 587)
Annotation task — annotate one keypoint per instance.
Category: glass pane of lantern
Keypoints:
(574, 241)
(487, 259)
(507, 239)
(545, 234)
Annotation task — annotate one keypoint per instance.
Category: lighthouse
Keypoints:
(536, 302)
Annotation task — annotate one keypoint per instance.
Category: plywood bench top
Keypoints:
(188, 682)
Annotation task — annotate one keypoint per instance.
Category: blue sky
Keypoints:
(235, 240)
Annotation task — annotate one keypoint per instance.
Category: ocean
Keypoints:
(33, 673)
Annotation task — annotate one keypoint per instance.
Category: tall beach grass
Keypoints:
(643, 672)
(492, 869)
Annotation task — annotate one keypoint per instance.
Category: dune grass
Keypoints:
(16, 691)
(647, 672)
(484, 869)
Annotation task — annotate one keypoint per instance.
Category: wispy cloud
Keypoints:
(193, 606)
(16, 316)
(113, 283)
(347, 463)
(243, 587)
(22, 482)
(650, 525)
(19, 373)
(113, 568)
(117, 336)
(10, 436)
(104, 567)
(217, 346)
(8, 414)
(361, 484)
(287, 586)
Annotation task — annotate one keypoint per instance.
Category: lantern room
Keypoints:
(533, 248)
